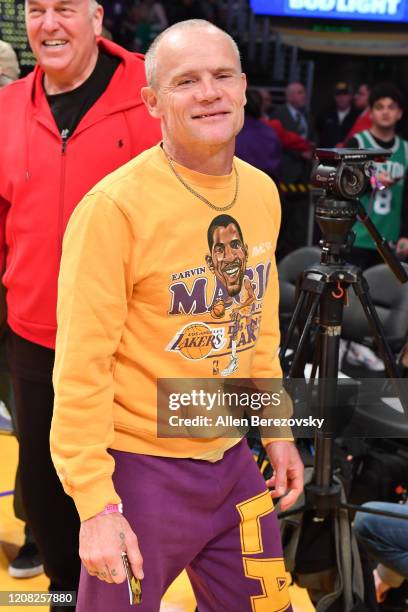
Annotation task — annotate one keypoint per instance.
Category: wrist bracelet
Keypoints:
(111, 509)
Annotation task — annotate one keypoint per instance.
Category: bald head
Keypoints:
(174, 35)
(296, 95)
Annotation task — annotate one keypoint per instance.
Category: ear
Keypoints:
(245, 85)
(209, 262)
(97, 20)
(149, 97)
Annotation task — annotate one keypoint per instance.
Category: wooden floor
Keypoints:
(179, 597)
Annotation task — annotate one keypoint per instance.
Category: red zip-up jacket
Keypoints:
(42, 179)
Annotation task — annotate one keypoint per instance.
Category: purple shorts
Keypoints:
(216, 520)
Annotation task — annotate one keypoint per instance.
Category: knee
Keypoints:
(364, 523)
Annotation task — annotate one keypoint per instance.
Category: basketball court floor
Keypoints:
(179, 597)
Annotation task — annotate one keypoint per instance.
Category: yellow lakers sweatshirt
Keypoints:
(155, 283)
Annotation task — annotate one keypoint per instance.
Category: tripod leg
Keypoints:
(294, 369)
(331, 317)
(293, 322)
(315, 364)
(313, 373)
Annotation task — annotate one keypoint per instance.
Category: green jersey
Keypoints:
(384, 207)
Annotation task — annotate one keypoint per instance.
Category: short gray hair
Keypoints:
(189, 24)
(9, 67)
(93, 5)
(5, 80)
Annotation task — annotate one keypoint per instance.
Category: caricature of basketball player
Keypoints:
(227, 260)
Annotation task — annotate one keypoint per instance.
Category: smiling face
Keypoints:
(198, 91)
(228, 258)
(62, 35)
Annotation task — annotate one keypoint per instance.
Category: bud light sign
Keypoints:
(365, 10)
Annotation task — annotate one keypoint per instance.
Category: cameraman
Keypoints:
(384, 207)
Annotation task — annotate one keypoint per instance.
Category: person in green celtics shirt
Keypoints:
(384, 207)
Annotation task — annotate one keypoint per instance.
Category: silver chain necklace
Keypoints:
(198, 195)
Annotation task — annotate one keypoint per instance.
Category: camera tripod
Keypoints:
(322, 293)
(321, 296)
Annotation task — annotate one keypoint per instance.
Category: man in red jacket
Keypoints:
(74, 119)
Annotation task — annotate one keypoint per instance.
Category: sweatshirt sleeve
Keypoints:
(4, 208)
(266, 362)
(95, 284)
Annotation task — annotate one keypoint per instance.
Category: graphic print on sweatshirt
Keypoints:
(224, 299)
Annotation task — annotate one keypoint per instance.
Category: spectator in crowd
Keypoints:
(386, 540)
(79, 116)
(122, 248)
(296, 168)
(293, 114)
(9, 68)
(334, 123)
(289, 139)
(361, 97)
(384, 206)
(363, 121)
(257, 143)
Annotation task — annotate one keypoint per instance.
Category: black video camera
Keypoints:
(345, 173)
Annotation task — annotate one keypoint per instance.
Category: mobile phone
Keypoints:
(134, 584)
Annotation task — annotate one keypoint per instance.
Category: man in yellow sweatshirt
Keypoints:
(137, 303)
